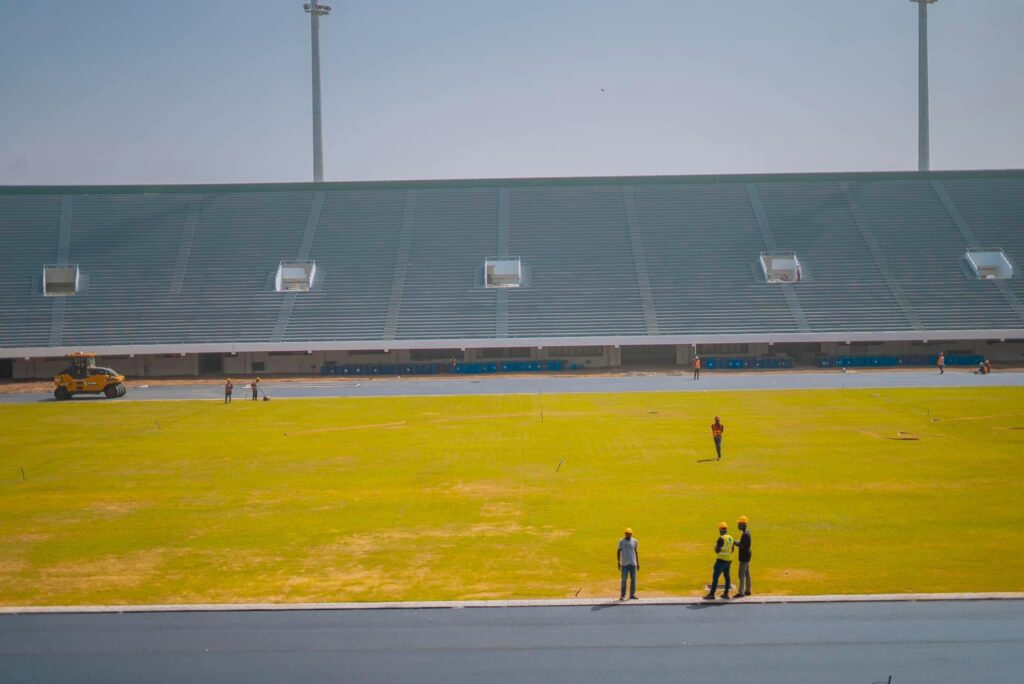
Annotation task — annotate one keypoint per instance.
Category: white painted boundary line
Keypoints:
(510, 603)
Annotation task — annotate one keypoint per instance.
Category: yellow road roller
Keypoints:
(83, 376)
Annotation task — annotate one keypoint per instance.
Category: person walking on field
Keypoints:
(228, 389)
(255, 388)
(723, 560)
(696, 368)
(628, 559)
(941, 363)
(743, 581)
(716, 432)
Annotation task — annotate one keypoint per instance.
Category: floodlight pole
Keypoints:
(923, 146)
(315, 11)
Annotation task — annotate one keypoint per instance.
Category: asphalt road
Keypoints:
(935, 642)
(547, 384)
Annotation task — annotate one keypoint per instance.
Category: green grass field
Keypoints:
(458, 497)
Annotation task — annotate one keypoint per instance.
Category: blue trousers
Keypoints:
(630, 572)
(721, 568)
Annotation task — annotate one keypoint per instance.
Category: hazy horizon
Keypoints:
(214, 92)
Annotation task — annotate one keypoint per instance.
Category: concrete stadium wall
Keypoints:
(1010, 353)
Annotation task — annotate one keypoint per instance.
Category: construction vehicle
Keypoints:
(83, 376)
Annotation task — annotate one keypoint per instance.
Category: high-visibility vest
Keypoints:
(727, 543)
(717, 429)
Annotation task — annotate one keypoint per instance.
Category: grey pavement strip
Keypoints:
(510, 603)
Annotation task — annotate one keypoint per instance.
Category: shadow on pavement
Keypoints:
(706, 604)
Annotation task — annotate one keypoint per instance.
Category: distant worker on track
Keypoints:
(228, 389)
(743, 578)
(941, 363)
(628, 559)
(717, 429)
(723, 560)
(696, 368)
(255, 389)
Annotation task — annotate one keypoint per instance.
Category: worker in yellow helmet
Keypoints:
(628, 559)
(743, 581)
(723, 560)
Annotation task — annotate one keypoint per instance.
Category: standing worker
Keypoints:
(723, 560)
(941, 363)
(228, 389)
(255, 388)
(716, 432)
(628, 559)
(743, 582)
(696, 368)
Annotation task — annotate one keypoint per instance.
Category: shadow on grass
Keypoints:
(707, 460)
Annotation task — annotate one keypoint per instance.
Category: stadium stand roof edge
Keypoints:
(508, 182)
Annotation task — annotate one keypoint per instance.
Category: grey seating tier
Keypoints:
(626, 257)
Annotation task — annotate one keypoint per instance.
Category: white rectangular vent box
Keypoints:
(296, 275)
(781, 267)
(60, 281)
(503, 272)
(990, 264)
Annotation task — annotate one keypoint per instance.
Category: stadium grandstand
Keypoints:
(517, 274)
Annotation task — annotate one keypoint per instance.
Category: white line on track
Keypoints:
(511, 603)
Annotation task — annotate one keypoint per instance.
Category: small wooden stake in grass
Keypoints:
(22, 469)
(559, 465)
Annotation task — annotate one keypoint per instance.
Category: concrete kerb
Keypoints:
(511, 603)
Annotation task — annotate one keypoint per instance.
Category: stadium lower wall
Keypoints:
(804, 354)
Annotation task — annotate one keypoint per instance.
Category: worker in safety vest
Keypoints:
(716, 433)
(723, 560)
(696, 368)
(255, 388)
(228, 389)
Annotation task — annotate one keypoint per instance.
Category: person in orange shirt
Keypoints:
(255, 384)
(696, 368)
(716, 432)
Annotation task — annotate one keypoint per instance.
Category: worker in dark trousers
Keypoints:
(255, 389)
(716, 432)
(696, 368)
(723, 560)
(941, 363)
(743, 581)
(228, 389)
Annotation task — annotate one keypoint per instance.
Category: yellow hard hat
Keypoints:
(722, 526)
(628, 530)
(742, 519)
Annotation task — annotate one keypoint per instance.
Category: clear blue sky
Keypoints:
(98, 91)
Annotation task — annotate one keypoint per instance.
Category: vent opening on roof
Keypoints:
(780, 267)
(60, 281)
(989, 264)
(503, 272)
(295, 275)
